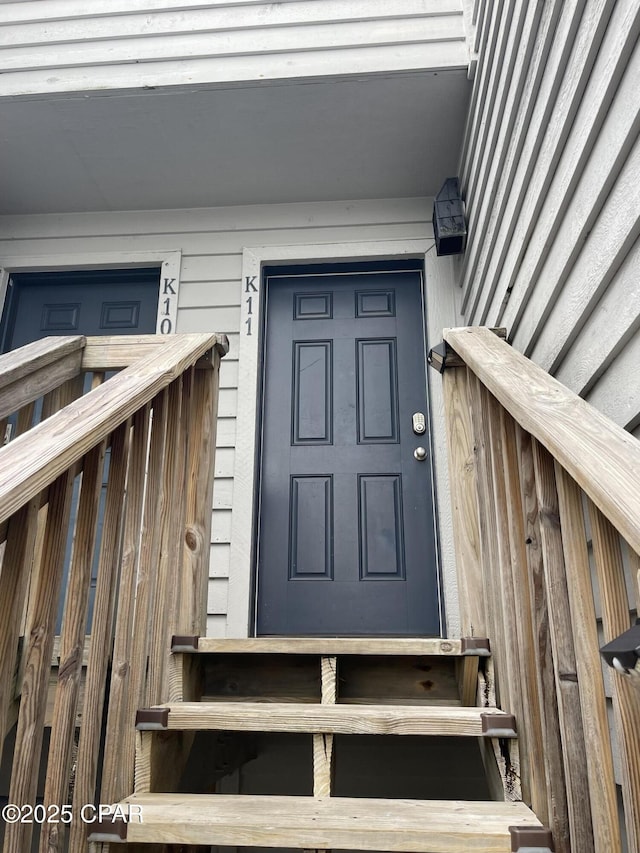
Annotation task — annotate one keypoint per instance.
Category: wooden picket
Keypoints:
(119, 437)
(544, 465)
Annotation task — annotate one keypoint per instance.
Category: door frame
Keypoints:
(168, 263)
(440, 310)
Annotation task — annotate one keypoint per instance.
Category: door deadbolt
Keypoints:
(420, 453)
(419, 423)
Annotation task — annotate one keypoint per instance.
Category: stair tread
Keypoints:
(331, 646)
(337, 719)
(445, 826)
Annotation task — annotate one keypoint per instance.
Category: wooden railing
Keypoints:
(546, 503)
(124, 473)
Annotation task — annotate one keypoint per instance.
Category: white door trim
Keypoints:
(239, 616)
(169, 262)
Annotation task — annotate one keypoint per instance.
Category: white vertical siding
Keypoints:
(550, 175)
(68, 45)
(211, 242)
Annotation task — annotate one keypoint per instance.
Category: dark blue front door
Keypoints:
(346, 524)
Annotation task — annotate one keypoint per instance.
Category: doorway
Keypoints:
(346, 530)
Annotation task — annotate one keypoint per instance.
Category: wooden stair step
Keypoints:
(371, 670)
(334, 646)
(328, 719)
(412, 826)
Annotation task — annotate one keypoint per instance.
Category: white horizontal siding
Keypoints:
(617, 392)
(216, 626)
(251, 222)
(609, 326)
(217, 597)
(221, 528)
(551, 191)
(222, 44)
(227, 402)
(48, 11)
(87, 34)
(219, 561)
(225, 458)
(223, 493)
(211, 242)
(61, 46)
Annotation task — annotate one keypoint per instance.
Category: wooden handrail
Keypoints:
(102, 352)
(19, 363)
(545, 508)
(138, 451)
(600, 456)
(32, 461)
(37, 368)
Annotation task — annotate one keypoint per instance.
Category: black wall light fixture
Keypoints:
(623, 653)
(448, 219)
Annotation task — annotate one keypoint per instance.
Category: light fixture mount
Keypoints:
(449, 226)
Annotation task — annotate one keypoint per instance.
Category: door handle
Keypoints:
(420, 453)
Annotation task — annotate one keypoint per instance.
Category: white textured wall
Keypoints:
(87, 45)
(551, 177)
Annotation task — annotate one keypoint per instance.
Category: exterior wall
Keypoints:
(549, 174)
(211, 243)
(70, 45)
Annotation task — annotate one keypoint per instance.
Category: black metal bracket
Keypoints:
(152, 719)
(623, 653)
(532, 839)
(443, 355)
(475, 646)
(498, 725)
(181, 643)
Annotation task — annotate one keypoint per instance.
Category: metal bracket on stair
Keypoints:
(181, 643)
(108, 831)
(498, 725)
(475, 646)
(152, 719)
(531, 839)
(443, 355)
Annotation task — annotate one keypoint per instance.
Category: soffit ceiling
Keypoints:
(375, 137)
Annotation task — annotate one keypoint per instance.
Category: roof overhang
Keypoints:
(374, 136)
